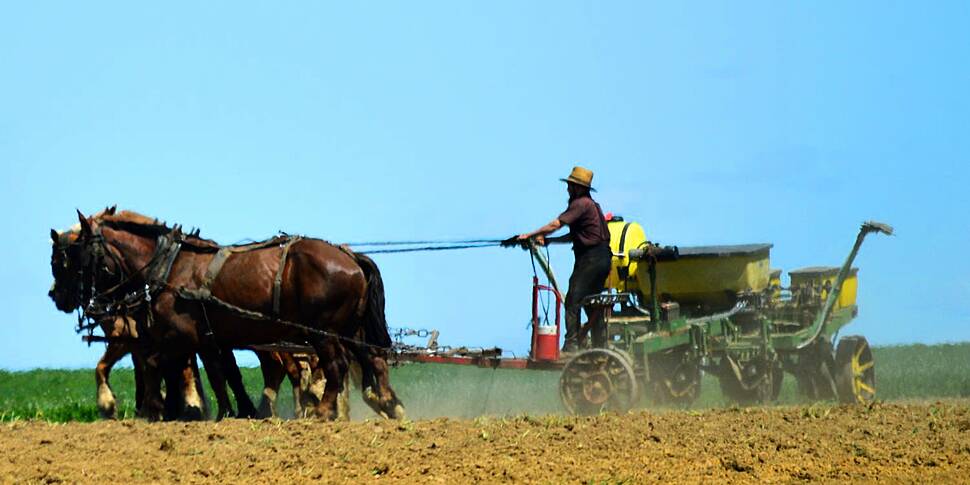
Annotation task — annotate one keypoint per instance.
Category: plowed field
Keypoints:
(887, 442)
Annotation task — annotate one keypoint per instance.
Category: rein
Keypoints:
(429, 245)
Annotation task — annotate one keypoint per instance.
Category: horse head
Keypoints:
(78, 263)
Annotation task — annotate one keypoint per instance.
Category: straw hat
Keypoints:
(581, 176)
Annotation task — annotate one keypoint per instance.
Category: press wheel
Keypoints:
(598, 380)
(855, 378)
(674, 380)
(815, 372)
(761, 382)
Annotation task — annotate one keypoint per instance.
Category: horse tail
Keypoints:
(375, 322)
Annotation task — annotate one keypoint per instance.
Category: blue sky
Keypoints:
(709, 123)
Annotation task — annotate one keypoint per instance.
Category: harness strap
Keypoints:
(278, 281)
(215, 267)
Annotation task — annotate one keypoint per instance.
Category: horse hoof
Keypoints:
(106, 405)
(193, 413)
(326, 415)
(369, 395)
(108, 412)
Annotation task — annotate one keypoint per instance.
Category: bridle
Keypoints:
(119, 295)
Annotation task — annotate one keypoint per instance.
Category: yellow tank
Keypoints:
(711, 275)
(624, 236)
(701, 275)
(819, 275)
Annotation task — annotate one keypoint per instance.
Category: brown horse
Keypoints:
(122, 336)
(302, 370)
(329, 291)
(184, 387)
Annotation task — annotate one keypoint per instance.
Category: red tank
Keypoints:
(545, 338)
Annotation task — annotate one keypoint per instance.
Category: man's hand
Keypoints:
(522, 241)
(512, 242)
(538, 238)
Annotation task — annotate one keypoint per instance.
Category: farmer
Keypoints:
(591, 245)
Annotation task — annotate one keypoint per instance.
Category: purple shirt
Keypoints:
(587, 225)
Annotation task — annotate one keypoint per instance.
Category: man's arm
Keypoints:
(566, 218)
(549, 228)
(565, 238)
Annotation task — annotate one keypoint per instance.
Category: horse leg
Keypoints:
(172, 372)
(272, 370)
(365, 376)
(376, 383)
(200, 389)
(382, 376)
(152, 406)
(343, 400)
(139, 366)
(299, 374)
(217, 381)
(106, 399)
(194, 407)
(306, 379)
(244, 405)
(312, 383)
(334, 364)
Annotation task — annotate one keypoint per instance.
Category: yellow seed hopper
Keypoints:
(703, 275)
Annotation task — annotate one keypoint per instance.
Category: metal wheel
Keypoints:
(598, 380)
(674, 381)
(815, 372)
(760, 382)
(855, 370)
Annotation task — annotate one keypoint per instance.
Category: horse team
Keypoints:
(166, 297)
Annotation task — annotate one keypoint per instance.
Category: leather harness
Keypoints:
(204, 292)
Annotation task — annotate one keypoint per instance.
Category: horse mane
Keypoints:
(149, 226)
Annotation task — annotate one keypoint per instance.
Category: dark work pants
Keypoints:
(589, 278)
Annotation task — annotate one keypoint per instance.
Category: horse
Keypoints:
(121, 334)
(183, 385)
(332, 292)
(121, 337)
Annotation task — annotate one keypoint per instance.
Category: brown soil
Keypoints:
(887, 442)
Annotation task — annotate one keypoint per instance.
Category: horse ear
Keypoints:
(110, 210)
(85, 225)
(55, 236)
